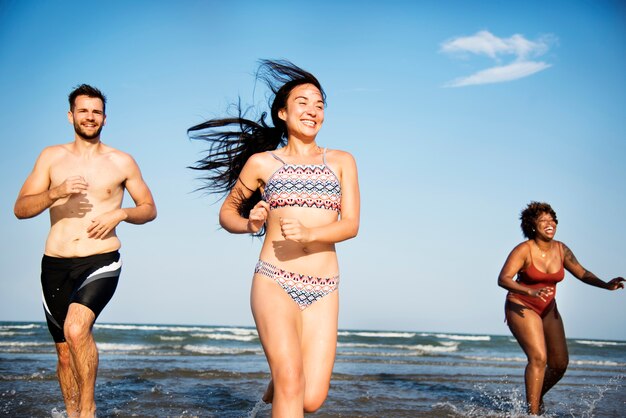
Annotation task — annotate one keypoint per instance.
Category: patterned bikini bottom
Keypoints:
(303, 289)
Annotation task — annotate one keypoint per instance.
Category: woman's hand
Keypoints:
(258, 216)
(542, 293)
(616, 283)
(292, 229)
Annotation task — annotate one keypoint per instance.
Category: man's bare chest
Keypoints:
(104, 178)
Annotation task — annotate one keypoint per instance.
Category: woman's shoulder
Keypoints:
(260, 165)
(522, 249)
(260, 158)
(339, 156)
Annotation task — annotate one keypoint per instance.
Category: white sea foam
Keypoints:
(432, 348)
(122, 347)
(404, 347)
(381, 334)
(237, 331)
(600, 343)
(497, 359)
(22, 344)
(596, 363)
(27, 326)
(181, 329)
(226, 337)
(211, 349)
(123, 327)
(364, 345)
(523, 360)
(167, 338)
(464, 337)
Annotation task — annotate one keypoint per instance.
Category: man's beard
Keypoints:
(84, 135)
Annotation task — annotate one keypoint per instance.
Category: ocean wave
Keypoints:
(237, 331)
(601, 343)
(523, 360)
(14, 333)
(26, 326)
(178, 328)
(213, 350)
(404, 347)
(374, 334)
(463, 337)
(391, 354)
(596, 363)
(122, 327)
(496, 359)
(226, 337)
(23, 344)
(122, 347)
(173, 338)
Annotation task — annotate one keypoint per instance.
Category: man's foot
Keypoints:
(268, 396)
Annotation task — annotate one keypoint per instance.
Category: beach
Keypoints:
(219, 371)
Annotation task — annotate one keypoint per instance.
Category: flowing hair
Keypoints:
(232, 141)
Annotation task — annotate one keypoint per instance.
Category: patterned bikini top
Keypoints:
(303, 185)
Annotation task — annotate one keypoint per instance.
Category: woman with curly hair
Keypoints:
(304, 199)
(530, 274)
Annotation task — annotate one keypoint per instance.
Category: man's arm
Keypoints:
(144, 210)
(36, 194)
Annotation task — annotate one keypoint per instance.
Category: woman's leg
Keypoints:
(279, 323)
(527, 328)
(558, 357)
(319, 344)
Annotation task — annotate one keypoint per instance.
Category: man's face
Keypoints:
(87, 117)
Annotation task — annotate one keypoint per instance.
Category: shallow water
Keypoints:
(206, 371)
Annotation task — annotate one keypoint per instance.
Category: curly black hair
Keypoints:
(530, 215)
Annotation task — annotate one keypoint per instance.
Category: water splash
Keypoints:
(489, 403)
(257, 407)
(589, 402)
(511, 403)
(55, 413)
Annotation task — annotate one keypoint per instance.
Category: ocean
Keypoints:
(218, 371)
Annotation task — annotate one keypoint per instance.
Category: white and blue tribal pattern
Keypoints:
(303, 289)
(310, 186)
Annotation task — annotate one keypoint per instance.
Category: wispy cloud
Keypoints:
(485, 43)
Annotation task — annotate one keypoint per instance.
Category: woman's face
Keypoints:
(545, 226)
(304, 111)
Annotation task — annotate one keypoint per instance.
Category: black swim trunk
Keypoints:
(90, 281)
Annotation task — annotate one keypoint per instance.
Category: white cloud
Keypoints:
(500, 74)
(487, 44)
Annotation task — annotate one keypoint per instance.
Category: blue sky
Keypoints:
(458, 114)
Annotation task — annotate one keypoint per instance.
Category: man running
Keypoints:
(82, 183)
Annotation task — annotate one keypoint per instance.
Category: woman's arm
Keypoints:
(512, 266)
(347, 226)
(248, 182)
(573, 266)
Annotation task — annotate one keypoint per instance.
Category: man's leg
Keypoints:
(67, 380)
(84, 355)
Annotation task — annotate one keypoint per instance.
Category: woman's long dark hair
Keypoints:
(233, 140)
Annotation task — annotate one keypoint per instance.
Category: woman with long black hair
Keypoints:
(303, 198)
